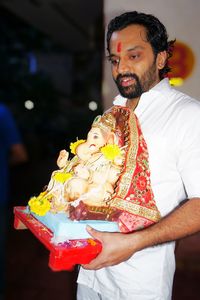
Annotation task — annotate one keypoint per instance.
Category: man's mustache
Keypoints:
(122, 76)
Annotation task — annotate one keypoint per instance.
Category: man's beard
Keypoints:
(140, 86)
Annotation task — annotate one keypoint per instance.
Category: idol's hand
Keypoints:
(116, 248)
(62, 159)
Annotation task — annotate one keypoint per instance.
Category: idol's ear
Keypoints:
(111, 138)
(161, 59)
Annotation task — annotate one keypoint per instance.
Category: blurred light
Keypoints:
(29, 104)
(176, 81)
(93, 105)
(32, 63)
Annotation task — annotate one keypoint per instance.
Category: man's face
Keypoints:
(134, 66)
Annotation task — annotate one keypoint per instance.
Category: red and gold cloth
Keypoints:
(134, 196)
(132, 205)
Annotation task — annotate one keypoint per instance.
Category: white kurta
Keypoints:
(170, 122)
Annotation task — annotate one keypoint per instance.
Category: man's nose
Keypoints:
(123, 67)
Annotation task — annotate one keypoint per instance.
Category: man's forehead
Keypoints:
(129, 34)
(127, 43)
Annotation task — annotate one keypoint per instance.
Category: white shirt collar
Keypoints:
(119, 100)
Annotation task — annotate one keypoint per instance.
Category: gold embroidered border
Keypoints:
(136, 209)
(126, 177)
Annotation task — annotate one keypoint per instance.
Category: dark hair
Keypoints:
(156, 33)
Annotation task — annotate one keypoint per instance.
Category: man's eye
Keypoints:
(95, 136)
(114, 61)
(135, 56)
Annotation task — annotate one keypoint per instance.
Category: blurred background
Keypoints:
(54, 79)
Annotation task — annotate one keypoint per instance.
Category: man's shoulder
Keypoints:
(183, 101)
(167, 90)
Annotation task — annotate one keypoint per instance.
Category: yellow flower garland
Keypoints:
(62, 177)
(111, 151)
(39, 205)
(74, 145)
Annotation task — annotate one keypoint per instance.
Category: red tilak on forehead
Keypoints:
(119, 47)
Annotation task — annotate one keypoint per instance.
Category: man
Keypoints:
(12, 152)
(141, 265)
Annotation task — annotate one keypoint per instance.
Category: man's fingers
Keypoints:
(93, 232)
(95, 264)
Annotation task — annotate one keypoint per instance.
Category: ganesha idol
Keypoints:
(108, 178)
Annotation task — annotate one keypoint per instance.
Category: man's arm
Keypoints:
(118, 247)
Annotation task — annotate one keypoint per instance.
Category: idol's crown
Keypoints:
(105, 122)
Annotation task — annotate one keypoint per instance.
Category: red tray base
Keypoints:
(63, 256)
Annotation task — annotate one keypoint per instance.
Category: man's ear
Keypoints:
(161, 59)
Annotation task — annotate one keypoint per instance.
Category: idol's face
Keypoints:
(135, 68)
(95, 138)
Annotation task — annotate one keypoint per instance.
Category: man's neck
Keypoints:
(132, 103)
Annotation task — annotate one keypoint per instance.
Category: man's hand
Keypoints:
(116, 248)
